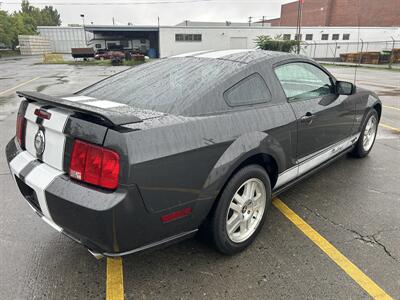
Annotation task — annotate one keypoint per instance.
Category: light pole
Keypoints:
(84, 31)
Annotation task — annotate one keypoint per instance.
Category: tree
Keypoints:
(26, 21)
(265, 42)
(50, 17)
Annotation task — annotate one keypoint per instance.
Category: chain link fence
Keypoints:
(375, 53)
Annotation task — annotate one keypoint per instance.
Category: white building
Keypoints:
(317, 42)
(62, 39)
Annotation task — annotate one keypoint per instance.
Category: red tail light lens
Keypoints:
(20, 130)
(95, 165)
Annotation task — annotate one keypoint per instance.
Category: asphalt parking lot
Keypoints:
(353, 205)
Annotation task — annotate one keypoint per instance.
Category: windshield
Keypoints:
(167, 85)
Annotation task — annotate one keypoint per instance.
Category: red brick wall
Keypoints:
(274, 22)
(314, 12)
(368, 12)
(342, 13)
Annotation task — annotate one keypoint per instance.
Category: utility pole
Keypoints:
(113, 21)
(250, 21)
(298, 30)
(263, 20)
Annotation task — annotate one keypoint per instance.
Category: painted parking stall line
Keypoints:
(389, 127)
(17, 86)
(115, 279)
(334, 254)
(391, 107)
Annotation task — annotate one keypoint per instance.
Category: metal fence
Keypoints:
(388, 52)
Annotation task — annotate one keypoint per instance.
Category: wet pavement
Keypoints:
(354, 204)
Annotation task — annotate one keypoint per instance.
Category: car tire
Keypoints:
(249, 212)
(367, 136)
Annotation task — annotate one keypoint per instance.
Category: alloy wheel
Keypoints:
(246, 210)
(370, 133)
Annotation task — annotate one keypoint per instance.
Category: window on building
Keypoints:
(309, 37)
(179, 37)
(197, 37)
(98, 46)
(335, 36)
(325, 37)
(346, 36)
(249, 91)
(296, 37)
(287, 37)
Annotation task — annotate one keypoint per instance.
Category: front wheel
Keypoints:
(241, 210)
(367, 135)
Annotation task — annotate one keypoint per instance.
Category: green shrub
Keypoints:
(265, 42)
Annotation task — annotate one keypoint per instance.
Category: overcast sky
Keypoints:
(169, 13)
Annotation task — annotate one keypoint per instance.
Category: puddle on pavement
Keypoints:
(59, 80)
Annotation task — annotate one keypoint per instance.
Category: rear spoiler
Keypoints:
(114, 116)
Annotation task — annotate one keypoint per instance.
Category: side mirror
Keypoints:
(345, 88)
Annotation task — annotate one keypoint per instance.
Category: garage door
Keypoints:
(238, 43)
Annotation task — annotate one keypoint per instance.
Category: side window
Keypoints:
(303, 81)
(251, 90)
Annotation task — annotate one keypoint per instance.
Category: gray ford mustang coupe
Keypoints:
(201, 140)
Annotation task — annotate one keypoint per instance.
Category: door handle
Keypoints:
(307, 118)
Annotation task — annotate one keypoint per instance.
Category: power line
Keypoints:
(140, 3)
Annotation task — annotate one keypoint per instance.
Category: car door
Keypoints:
(323, 117)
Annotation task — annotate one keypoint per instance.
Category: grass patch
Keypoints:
(9, 53)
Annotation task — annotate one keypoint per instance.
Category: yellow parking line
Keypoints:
(389, 127)
(115, 279)
(17, 86)
(343, 262)
(391, 107)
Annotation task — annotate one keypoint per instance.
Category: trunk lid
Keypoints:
(48, 132)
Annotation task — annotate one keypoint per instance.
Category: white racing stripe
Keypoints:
(39, 179)
(54, 137)
(78, 98)
(223, 53)
(192, 53)
(20, 162)
(104, 104)
(315, 160)
(30, 112)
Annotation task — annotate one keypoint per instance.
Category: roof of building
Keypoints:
(238, 55)
(219, 24)
(92, 28)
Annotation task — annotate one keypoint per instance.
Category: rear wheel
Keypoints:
(241, 210)
(367, 135)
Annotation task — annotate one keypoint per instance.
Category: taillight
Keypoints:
(20, 130)
(95, 165)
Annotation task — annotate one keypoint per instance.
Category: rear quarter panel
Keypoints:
(186, 164)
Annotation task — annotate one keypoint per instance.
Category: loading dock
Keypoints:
(143, 39)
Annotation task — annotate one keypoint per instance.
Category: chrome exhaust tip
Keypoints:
(96, 255)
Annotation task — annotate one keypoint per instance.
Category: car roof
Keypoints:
(246, 56)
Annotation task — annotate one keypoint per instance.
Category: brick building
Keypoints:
(371, 13)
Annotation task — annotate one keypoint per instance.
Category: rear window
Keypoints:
(249, 91)
(167, 85)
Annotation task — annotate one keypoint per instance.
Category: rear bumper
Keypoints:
(111, 223)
